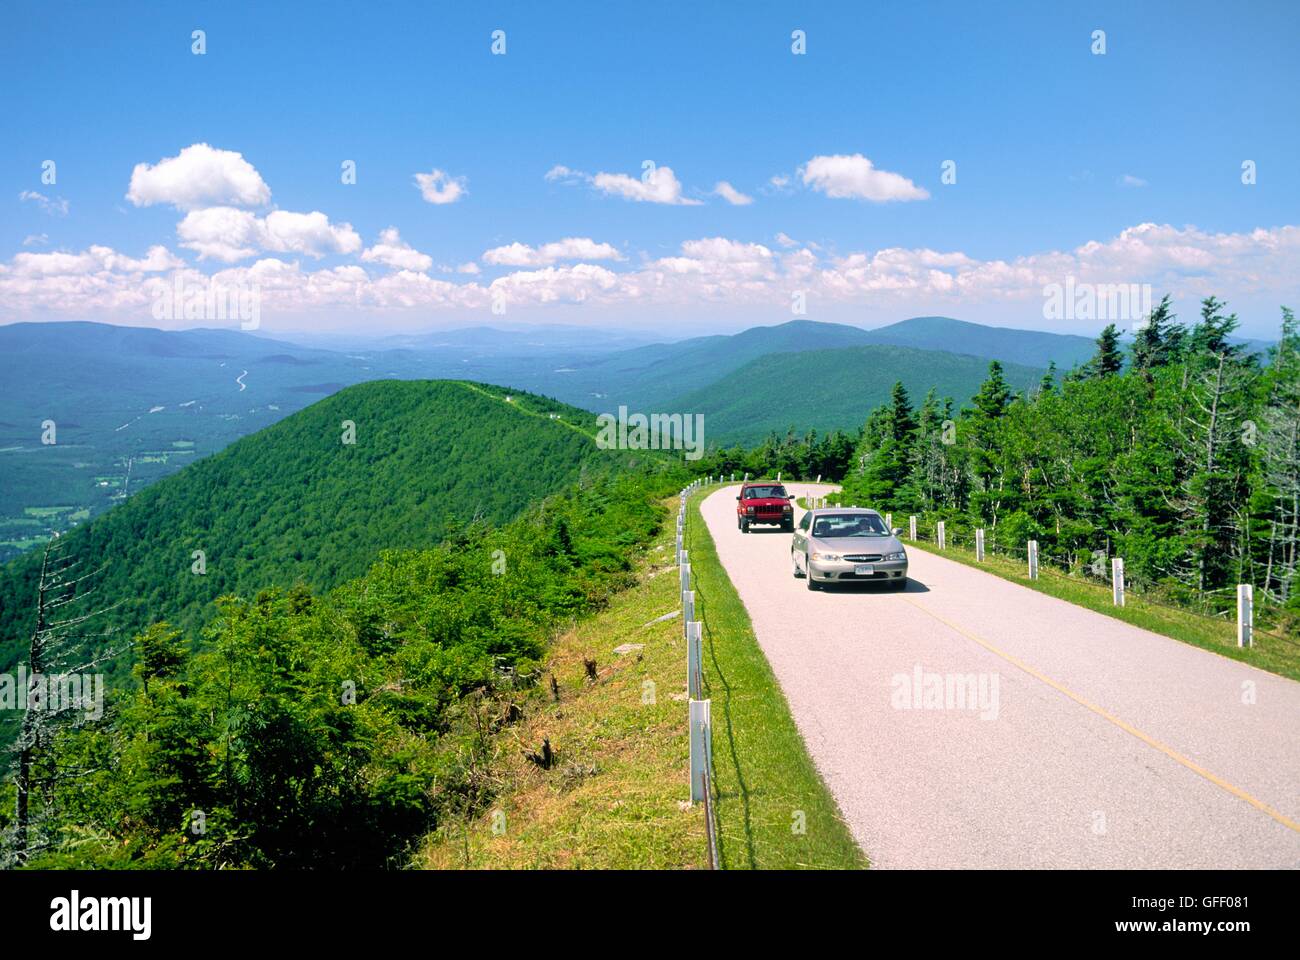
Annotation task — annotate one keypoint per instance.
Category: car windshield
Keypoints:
(755, 493)
(849, 525)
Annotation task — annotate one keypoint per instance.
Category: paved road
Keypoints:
(1094, 744)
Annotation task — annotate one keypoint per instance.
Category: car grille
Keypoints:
(863, 558)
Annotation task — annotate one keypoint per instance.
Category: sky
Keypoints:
(676, 168)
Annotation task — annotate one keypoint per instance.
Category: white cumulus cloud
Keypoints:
(393, 251)
(199, 176)
(229, 234)
(439, 187)
(658, 185)
(854, 176)
(570, 248)
(733, 196)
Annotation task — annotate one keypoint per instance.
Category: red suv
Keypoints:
(764, 502)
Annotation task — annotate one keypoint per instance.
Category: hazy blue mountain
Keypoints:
(1031, 347)
(649, 377)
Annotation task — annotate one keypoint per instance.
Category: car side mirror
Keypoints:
(897, 531)
(738, 498)
(790, 496)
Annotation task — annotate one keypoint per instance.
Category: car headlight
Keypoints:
(825, 556)
(896, 556)
(749, 509)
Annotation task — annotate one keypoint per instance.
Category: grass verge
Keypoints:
(1268, 653)
(773, 810)
(615, 797)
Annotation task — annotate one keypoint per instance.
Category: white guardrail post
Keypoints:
(1117, 580)
(699, 710)
(694, 659)
(701, 749)
(1245, 614)
(1033, 559)
(941, 535)
(979, 545)
(911, 527)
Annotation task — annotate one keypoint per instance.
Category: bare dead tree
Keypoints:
(1211, 423)
(1280, 451)
(58, 640)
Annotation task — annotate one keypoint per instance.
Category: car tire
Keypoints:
(787, 526)
(794, 566)
(744, 526)
(812, 584)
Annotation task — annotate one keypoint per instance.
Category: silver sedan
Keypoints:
(847, 545)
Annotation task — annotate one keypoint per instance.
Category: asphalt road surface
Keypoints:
(971, 722)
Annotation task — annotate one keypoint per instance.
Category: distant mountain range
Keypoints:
(130, 405)
(654, 377)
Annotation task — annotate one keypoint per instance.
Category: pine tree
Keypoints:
(1210, 336)
(1109, 360)
(1152, 345)
(902, 423)
(892, 431)
(1048, 383)
(982, 441)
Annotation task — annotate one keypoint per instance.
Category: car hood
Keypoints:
(854, 545)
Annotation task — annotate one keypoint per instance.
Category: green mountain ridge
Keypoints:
(293, 502)
(832, 389)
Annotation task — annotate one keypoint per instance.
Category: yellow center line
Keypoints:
(1110, 717)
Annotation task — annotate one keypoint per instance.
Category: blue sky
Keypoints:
(1055, 148)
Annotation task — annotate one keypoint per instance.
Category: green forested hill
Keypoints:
(830, 389)
(293, 502)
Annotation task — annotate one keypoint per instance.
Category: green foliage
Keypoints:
(806, 457)
(333, 730)
(1187, 464)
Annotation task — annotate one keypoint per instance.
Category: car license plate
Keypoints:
(863, 569)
